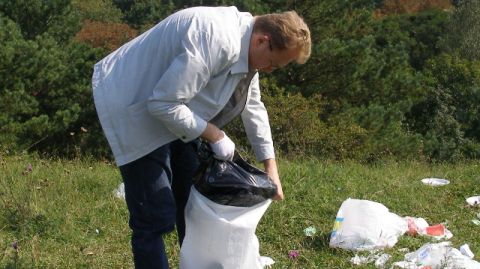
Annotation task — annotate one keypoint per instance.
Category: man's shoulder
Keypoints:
(222, 24)
(204, 10)
(217, 17)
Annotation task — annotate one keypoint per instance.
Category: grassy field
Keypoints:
(64, 214)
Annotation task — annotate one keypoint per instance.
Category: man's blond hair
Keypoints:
(287, 30)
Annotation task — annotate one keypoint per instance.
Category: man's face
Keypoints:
(265, 58)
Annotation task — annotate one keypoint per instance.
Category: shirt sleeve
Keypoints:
(257, 125)
(188, 74)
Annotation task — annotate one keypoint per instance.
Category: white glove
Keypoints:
(223, 149)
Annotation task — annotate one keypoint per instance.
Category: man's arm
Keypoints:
(212, 133)
(199, 58)
(272, 171)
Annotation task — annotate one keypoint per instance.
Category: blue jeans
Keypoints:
(156, 191)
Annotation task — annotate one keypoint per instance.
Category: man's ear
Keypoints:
(264, 38)
(259, 39)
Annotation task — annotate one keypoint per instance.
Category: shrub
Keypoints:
(297, 128)
(385, 133)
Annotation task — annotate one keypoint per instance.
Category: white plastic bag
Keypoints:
(366, 225)
(220, 236)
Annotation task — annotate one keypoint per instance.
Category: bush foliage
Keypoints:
(386, 78)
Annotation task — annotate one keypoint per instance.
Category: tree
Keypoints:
(464, 30)
(98, 10)
(35, 17)
(412, 6)
(45, 92)
(144, 13)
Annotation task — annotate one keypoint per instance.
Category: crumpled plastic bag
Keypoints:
(367, 225)
(234, 183)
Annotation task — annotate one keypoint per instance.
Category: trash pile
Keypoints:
(363, 225)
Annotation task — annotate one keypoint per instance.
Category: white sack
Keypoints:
(219, 236)
(366, 225)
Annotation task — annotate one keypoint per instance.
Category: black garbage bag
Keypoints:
(234, 183)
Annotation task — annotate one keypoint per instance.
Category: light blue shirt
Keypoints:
(167, 83)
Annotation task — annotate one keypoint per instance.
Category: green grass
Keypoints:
(63, 214)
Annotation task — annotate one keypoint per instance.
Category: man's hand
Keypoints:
(272, 171)
(223, 149)
(222, 146)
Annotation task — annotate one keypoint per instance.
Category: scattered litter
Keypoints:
(474, 200)
(416, 225)
(421, 227)
(435, 256)
(266, 262)
(465, 250)
(120, 191)
(406, 265)
(476, 221)
(432, 181)
(310, 231)
(293, 254)
(97, 231)
(376, 256)
(435, 230)
(382, 260)
(367, 225)
(361, 260)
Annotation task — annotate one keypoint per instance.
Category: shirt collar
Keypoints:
(241, 66)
